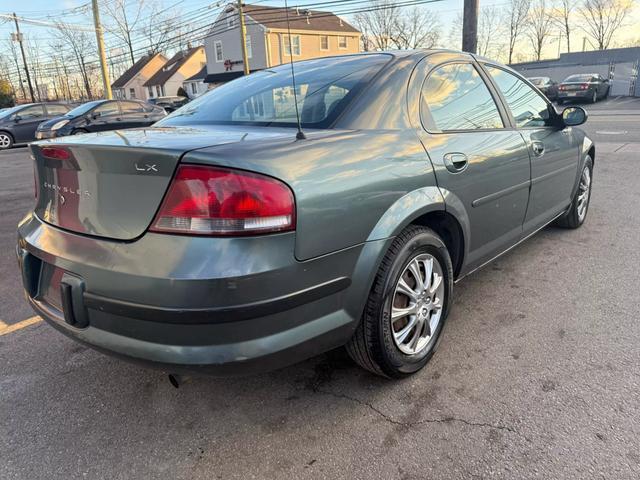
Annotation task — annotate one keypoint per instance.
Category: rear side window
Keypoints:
(55, 110)
(34, 111)
(131, 107)
(324, 87)
(458, 99)
(529, 109)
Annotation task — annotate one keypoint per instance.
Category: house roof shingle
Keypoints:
(171, 67)
(299, 19)
(128, 75)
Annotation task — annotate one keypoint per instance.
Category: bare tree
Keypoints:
(489, 31)
(562, 15)
(82, 45)
(416, 29)
(11, 48)
(539, 26)
(124, 16)
(379, 24)
(516, 20)
(603, 17)
(159, 27)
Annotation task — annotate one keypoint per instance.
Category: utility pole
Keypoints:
(101, 52)
(18, 38)
(243, 40)
(470, 26)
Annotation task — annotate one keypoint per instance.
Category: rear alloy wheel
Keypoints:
(407, 306)
(577, 214)
(6, 141)
(594, 97)
(79, 131)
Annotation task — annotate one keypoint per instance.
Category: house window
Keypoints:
(231, 20)
(150, 91)
(342, 42)
(324, 42)
(295, 42)
(217, 45)
(248, 43)
(158, 92)
(194, 87)
(132, 93)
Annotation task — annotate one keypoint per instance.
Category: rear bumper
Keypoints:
(217, 305)
(575, 94)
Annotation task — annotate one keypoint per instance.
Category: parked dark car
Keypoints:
(546, 86)
(223, 240)
(170, 104)
(589, 87)
(19, 124)
(101, 115)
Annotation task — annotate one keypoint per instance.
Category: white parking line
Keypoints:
(7, 329)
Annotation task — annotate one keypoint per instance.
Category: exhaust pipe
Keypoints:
(176, 380)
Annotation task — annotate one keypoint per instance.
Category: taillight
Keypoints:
(204, 200)
(56, 153)
(584, 86)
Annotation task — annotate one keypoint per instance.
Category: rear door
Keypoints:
(133, 115)
(553, 151)
(26, 121)
(481, 163)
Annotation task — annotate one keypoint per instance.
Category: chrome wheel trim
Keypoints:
(584, 190)
(5, 141)
(416, 307)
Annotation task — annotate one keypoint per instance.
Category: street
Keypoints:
(537, 374)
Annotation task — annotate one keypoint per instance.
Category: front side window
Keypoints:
(529, 109)
(324, 88)
(458, 99)
(32, 112)
(107, 108)
(219, 52)
(295, 42)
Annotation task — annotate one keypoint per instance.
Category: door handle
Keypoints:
(538, 148)
(455, 162)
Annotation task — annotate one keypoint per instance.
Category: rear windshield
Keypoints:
(324, 87)
(578, 78)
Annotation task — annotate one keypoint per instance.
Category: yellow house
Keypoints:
(131, 83)
(313, 34)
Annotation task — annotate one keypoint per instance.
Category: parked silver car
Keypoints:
(218, 240)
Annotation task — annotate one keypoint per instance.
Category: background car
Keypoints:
(101, 115)
(19, 124)
(547, 86)
(170, 104)
(589, 87)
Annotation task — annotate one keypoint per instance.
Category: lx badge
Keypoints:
(146, 168)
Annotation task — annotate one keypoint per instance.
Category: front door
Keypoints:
(553, 151)
(26, 122)
(481, 165)
(105, 116)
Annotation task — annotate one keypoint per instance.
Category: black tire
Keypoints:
(373, 346)
(79, 131)
(6, 142)
(572, 219)
(594, 98)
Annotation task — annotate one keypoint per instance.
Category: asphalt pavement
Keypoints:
(537, 375)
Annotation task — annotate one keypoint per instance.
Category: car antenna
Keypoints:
(300, 135)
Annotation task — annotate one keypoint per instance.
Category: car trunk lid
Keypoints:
(110, 185)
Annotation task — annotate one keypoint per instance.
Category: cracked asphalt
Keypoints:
(537, 375)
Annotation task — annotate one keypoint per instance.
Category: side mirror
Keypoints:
(95, 115)
(573, 116)
(17, 118)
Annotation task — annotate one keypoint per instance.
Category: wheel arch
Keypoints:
(8, 133)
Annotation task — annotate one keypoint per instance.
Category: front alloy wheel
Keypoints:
(584, 191)
(577, 213)
(5, 141)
